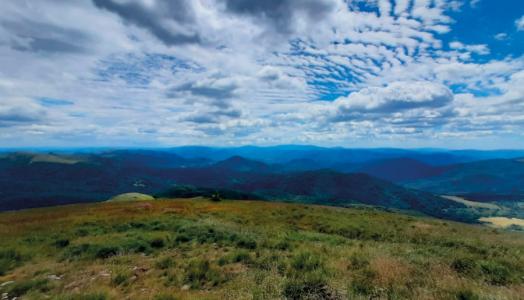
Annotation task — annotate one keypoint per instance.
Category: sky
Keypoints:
(351, 73)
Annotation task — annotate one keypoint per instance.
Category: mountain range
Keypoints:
(392, 178)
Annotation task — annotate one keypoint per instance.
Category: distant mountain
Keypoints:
(401, 169)
(488, 180)
(150, 158)
(240, 164)
(96, 177)
(322, 157)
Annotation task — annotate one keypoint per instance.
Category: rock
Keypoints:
(54, 277)
(185, 287)
(104, 274)
(5, 296)
(6, 283)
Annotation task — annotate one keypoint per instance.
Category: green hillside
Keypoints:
(198, 249)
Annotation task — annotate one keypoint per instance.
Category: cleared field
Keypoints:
(132, 197)
(502, 222)
(472, 203)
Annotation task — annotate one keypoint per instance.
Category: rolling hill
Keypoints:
(40, 179)
(199, 249)
(487, 180)
(401, 169)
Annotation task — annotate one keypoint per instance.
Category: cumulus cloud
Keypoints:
(395, 97)
(18, 114)
(239, 72)
(501, 36)
(479, 49)
(519, 23)
(282, 16)
(29, 35)
(170, 21)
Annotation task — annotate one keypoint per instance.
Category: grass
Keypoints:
(187, 249)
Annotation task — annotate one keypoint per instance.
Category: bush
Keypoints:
(464, 266)
(467, 295)
(306, 261)
(136, 245)
(121, 277)
(247, 243)
(215, 197)
(182, 238)
(362, 282)
(61, 243)
(200, 273)
(239, 256)
(10, 259)
(496, 273)
(165, 263)
(21, 288)
(157, 243)
(358, 261)
(312, 286)
(106, 252)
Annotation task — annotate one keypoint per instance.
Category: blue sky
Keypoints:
(355, 73)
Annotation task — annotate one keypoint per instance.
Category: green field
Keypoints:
(198, 249)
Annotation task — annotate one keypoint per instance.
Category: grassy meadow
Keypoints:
(199, 249)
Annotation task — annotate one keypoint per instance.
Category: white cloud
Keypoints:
(519, 23)
(243, 74)
(501, 36)
(396, 96)
(479, 49)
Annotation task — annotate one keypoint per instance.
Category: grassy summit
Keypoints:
(187, 249)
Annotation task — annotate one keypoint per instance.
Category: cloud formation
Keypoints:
(397, 96)
(229, 72)
(172, 22)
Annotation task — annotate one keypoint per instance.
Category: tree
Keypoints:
(216, 197)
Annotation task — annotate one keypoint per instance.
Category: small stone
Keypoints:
(104, 274)
(54, 277)
(185, 287)
(6, 283)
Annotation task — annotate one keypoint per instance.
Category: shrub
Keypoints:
(121, 277)
(358, 261)
(165, 263)
(306, 261)
(157, 243)
(137, 245)
(239, 256)
(10, 259)
(21, 288)
(466, 295)
(76, 251)
(312, 286)
(106, 252)
(61, 243)
(496, 273)
(199, 273)
(182, 238)
(247, 243)
(464, 265)
(362, 282)
(215, 197)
